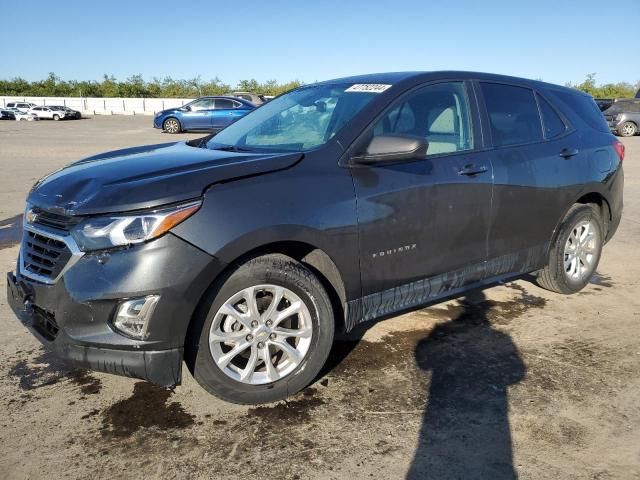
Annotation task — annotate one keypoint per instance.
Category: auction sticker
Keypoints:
(368, 87)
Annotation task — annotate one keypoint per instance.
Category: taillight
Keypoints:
(619, 147)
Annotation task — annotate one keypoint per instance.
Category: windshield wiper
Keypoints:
(232, 148)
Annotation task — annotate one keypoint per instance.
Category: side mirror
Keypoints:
(186, 108)
(385, 149)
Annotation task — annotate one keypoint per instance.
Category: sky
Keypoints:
(553, 40)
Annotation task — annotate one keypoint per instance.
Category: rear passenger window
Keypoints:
(439, 112)
(513, 114)
(552, 124)
(223, 104)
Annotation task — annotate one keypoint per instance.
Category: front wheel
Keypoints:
(171, 125)
(627, 129)
(575, 251)
(56, 117)
(265, 334)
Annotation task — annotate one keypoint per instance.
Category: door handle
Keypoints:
(471, 170)
(569, 152)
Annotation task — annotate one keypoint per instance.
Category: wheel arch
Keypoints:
(590, 198)
(316, 259)
(601, 204)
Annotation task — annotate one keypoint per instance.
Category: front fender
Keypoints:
(239, 217)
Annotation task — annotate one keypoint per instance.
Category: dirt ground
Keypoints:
(510, 382)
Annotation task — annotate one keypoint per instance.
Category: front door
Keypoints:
(199, 115)
(423, 224)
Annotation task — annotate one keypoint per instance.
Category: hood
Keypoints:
(146, 177)
(168, 110)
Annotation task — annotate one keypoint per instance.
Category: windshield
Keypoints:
(301, 120)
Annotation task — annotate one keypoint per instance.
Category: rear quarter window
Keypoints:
(584, 107)
(552, 124)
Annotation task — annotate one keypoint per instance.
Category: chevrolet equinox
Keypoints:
(335, 204)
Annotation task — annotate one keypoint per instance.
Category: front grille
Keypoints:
(63, 223)
(44, 256)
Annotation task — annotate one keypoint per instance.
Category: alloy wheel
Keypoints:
(580, 251)
(172, 126)
(628, 129)
(261, 334)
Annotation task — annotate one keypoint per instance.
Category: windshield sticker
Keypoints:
(368, 87)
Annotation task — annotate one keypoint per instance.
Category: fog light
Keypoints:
(133, 316)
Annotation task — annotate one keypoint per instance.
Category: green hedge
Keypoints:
(136, 87)
(607, 90)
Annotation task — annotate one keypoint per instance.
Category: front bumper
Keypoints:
(162, 367)
(73, 317)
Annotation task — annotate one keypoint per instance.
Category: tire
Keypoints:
(300, 289)
(627, 129)
(171, 125)
(567, 277)
(56, 117)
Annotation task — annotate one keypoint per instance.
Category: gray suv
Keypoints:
(623, 117)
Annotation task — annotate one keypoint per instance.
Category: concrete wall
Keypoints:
(105, 106)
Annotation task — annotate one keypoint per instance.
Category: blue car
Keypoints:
(205, 113)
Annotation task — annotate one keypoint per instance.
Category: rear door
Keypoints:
(225, 113)
(536, 164)
(423, 224)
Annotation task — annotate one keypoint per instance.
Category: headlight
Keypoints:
(100, 233)
(618, 117)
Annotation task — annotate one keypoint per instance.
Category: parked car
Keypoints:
(28, 116)
(6, 114)
(49, 113)
(205, 113)
(623, 117)
(333, 205)
(69, 114)
(254, 98)
(22, 106)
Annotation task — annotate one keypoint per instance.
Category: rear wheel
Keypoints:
(265, 335)
(171, 125)
(575, 252)
(627, 129)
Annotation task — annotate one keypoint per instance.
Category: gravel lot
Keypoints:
(512, 381)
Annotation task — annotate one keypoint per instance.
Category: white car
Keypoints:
(28, 116)
(21, 106)
(47, 113)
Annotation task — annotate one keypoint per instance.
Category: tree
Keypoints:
(109, 87)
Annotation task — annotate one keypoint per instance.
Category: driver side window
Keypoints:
(439, 113)
(205, 104)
